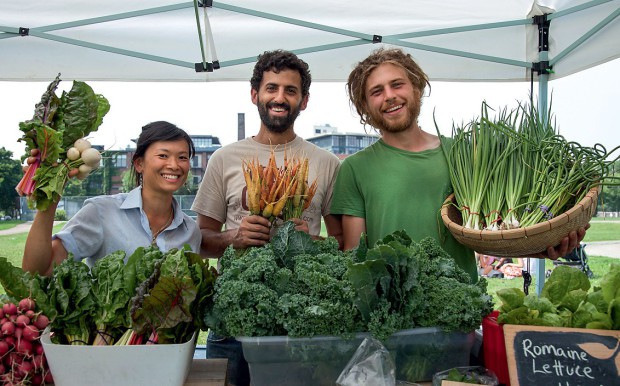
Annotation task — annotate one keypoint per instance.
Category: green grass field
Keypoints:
(9, 224)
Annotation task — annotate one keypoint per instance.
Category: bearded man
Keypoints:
(280, 87)
(401, 181)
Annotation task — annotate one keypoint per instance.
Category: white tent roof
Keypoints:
(158, 40)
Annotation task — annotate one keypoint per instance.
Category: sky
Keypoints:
(584, 105)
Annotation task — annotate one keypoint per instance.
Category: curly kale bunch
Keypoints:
(302, 287)
(293, 286)
(403, 284)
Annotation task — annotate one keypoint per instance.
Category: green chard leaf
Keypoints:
(70, 289)
(79, 114)
(111, 297)
(46, 108)
(164, 302)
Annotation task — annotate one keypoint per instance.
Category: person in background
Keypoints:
(280, 87)
(402, 180)
(512, 270)
(485, 264)
(148, 215)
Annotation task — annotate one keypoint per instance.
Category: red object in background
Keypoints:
(494, 348)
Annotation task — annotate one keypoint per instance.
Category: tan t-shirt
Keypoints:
(222, 193)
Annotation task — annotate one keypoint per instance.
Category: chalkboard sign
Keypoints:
(562, 356)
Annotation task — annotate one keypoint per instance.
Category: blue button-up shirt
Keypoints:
(106, 224)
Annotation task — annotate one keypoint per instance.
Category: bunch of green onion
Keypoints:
(514, 170)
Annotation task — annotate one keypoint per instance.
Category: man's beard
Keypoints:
(277, 124)
(382, 124)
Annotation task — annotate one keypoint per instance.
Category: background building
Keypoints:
(342, 144)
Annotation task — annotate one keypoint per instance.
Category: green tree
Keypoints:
(610, 197)
(10, 175)
(189, 187)
(128, 181)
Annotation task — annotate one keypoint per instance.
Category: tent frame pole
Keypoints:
(543, 69)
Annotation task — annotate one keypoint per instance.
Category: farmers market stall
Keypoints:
(427, 325)
(217, 41)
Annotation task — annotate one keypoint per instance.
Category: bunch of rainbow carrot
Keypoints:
(278, 192)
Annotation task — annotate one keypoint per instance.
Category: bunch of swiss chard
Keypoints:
(57, 124)
(302, 287)
(153, 297)
(566, 300)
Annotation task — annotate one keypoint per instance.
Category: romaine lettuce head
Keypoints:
(563, 280)
(543, 305)
(573, 299)
(552, 319)
(512, 298)
(610, 283)
(614, 313)
(587, 314)
(596, 297)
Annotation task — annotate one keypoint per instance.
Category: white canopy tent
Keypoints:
(179, 41)
(159, 40)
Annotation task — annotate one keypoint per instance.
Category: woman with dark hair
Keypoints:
(148, 215)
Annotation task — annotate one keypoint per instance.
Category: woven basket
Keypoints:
(520, 242)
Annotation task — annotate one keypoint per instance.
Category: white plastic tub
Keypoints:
(138, 365)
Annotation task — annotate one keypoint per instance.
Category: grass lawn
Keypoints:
(9, 224)
(603, 230)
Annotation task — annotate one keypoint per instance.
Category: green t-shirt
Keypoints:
(395, 189)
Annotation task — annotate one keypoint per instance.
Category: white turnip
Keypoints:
(84, 171)
(81, 144)
(91, 157)
(73, 153)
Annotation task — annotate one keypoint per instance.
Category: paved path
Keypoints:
(603, 248)
(21, 228)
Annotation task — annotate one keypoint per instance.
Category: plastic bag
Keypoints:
(469, 374)
(370, 365)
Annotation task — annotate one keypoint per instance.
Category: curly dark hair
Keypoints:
(277, 61)
(356, 85)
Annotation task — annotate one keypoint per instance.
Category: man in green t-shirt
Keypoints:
(401, 181)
